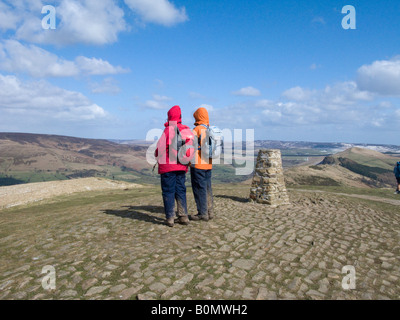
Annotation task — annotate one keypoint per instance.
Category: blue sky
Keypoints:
(287, 69)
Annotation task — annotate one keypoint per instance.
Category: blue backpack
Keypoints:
(214, 144)
(397, 170)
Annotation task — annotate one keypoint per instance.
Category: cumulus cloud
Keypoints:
(90, 22)
(155, 105)
(158, 102)
(8, 17)
(161, 98)
(264, 103)
(247, 92)
(37, 62)
(32, 60)
(345, 93)
(381, 77)
(43, 100)
(158, 11)
(107, 86)
(87, 21)
(94, 66)
(208, 107)
(298, 94)
(344, 109)
(340, 104)
(273, 116)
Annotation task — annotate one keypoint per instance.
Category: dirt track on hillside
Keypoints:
(29, 193)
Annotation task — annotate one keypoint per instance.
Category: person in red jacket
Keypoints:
(174, 152)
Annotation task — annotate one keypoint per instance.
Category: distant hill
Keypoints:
(327, 147)
(36, 158)
(27, 158)
(357, 167)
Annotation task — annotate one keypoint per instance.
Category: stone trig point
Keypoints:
(268, 183)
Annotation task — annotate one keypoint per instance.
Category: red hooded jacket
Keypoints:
(166, 152)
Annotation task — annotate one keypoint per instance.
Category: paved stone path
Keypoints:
(105, 249)
(360, 196)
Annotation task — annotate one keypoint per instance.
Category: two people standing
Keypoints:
(177, 149)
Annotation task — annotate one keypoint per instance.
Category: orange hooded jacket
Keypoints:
(201, 117)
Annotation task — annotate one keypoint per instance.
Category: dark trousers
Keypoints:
(202, 190)
(174, 188)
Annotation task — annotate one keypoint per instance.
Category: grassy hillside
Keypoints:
(36, 158)
(28, 158)
(369, 158)
(356, 167)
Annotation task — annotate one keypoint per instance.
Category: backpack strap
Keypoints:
(199, 138)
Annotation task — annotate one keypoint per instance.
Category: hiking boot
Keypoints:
(171, 222)
(183, 220)
(397, 192)
(199, 217)
(210, 215)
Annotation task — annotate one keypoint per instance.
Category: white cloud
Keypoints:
(41, 99)
(298, 94)
(274, 116)
(8, 18)
(160, 98)
(345, 93)
(155, 105)
(85, 21)
(208, 107)
(37, 62)
(158, 102)
(339, 111)
(264, 103)
(90, 22)
(94, 66)
(158, 11)
(107, 86)
(381, 77)
(342, 103)
(247, 92)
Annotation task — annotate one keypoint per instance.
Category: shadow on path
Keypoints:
(234, 198)
(152, 214)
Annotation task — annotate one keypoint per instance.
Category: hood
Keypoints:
(174, 115)
(201, 117)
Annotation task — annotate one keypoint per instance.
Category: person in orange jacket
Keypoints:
(201, 170)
